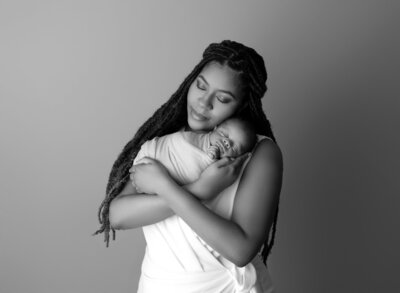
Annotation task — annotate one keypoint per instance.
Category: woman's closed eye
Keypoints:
(223, 99)
(200, 85)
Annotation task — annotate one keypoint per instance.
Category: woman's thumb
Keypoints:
(241, 159)
(223, 161)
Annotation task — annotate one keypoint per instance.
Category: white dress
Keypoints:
(176, 259)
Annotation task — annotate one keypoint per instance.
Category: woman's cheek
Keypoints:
(221, 114)
(192, 93)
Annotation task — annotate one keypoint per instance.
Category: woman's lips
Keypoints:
(198, 116)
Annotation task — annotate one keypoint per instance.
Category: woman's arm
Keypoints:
(130, 209)
(216, 177)
(257, 198)
(240, 238)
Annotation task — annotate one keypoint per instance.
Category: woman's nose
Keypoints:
(205, 101)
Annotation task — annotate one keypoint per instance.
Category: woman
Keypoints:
(206, 246)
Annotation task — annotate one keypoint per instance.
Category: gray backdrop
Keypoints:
(77, 78)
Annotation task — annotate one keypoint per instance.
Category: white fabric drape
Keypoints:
(176, 258)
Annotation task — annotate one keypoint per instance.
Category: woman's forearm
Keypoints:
(129, 211)
(199, 190)
(136, 210)
(212, 228)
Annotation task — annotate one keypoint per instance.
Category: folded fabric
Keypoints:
(176, 258)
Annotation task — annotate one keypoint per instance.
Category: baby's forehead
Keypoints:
(233, 125)
(238, 128)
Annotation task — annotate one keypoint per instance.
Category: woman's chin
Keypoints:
(195, 125)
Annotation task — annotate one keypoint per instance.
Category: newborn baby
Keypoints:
(231, 138)
(186, 154)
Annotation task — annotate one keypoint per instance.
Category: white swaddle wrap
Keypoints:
(176, 259)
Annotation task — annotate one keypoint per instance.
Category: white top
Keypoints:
(176, 258)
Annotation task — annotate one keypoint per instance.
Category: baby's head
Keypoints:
(232, 138)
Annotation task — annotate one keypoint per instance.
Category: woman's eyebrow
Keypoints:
(224, 91)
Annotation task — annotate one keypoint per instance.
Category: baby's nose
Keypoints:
(226, 143)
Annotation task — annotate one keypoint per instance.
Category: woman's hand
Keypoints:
(149, 176)
(220, 175)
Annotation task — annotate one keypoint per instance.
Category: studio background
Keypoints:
(77, 78)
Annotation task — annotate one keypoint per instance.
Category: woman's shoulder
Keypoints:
(266, 145)
(267, 151)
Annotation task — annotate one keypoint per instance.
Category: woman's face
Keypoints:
(215, 95)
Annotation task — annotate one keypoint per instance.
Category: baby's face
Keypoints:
(230, 139)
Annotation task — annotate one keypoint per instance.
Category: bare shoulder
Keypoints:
(263, 172)
(268, 152)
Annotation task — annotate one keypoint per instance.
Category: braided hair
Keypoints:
(172, 116)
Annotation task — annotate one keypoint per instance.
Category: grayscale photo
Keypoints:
(199, 147)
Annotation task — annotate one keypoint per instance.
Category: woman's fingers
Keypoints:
(234, 162)
(132, 177)
(236, 165)
(223, 162)
(145, 160)
(240, 160)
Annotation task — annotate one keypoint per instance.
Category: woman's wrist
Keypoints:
(198, 190)
(163, 184)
